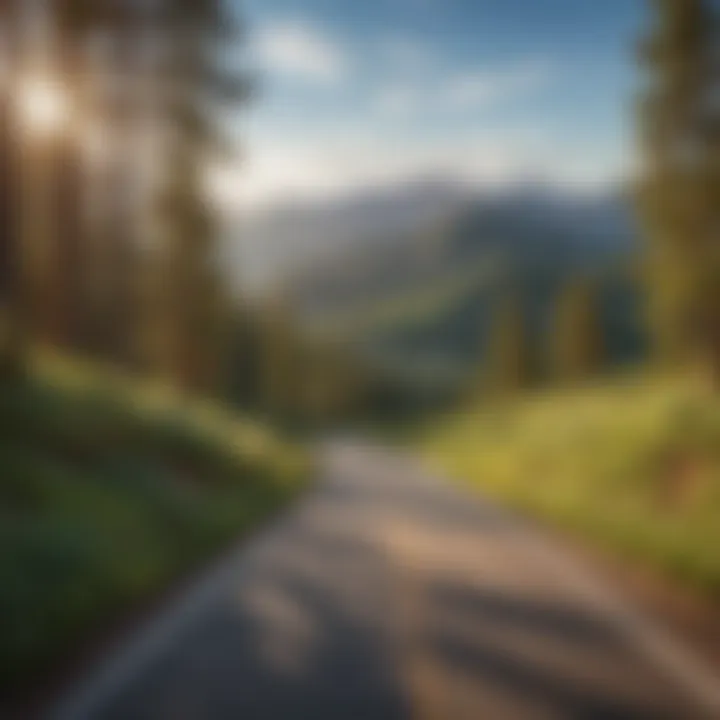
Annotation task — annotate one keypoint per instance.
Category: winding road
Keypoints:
(388, 594)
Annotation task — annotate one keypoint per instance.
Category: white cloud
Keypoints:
(484, 88)
(300, 50)
(332, 164)
(462, 92)
(300, 167)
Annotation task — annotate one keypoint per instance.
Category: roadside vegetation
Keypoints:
(632, 464)
(110, 489)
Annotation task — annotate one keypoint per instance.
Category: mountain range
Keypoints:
(413, 272)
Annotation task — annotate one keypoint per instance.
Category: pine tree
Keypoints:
(577, 346)
(198, 84)
(58, 248)
(81, 286)
(12, 339)
(508, 350)
(32, 175)
(75, 22)
(679, 196)
(120, 264)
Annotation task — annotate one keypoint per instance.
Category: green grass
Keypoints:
(109, 490)
(633, 465)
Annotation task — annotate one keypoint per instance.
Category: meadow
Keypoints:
(631, 464)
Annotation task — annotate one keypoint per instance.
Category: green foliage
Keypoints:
(108, 491)
(679, 196)
(577, 339)
(139, 283)
(508, 353)
(194, 311)
(633, 465)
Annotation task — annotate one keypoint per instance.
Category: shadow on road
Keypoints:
(388, 596)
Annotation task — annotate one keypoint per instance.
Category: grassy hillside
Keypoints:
(634, 465)
(108, 491)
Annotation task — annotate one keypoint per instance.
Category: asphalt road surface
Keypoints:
(388, 594)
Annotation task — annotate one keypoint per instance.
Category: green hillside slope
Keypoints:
(634, 465)
(109, 490)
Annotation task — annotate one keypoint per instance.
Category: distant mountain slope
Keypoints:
(413, 273)
(295, 237)
(525, 227)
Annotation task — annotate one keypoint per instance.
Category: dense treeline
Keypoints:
(118, 475)
(109, 121)
(678, 199)
(112, 114)
(680, 193)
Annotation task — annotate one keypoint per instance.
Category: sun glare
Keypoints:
(42, 106)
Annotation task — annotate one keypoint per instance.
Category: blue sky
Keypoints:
(370, 92)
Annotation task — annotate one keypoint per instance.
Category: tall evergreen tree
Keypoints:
(75, 22)
(679, 197)
(11, 331)
(507, 369)
(116, 241)
(199, 86)
(50, 183)
(77, 283)
(577, 337)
